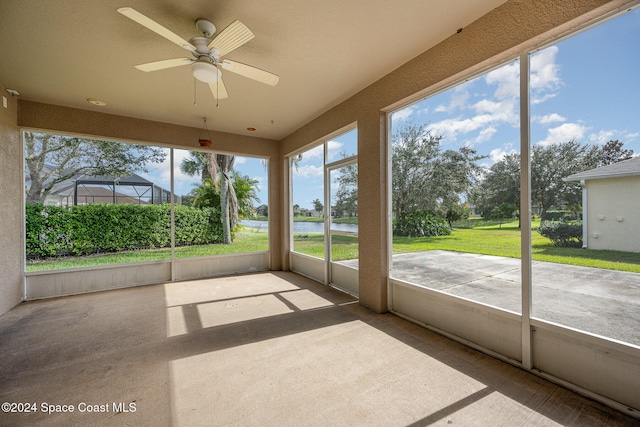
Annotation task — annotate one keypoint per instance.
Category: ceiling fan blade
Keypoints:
(251, 72)
(218, 89)
(155, 27)
(232, 37)
(161, 65)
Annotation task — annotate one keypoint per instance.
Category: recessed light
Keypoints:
(96, 101)
(250, 129)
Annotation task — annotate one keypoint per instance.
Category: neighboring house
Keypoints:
(611, 206)
(85, 189)
(310, 213)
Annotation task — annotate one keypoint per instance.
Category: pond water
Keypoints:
(301, 227)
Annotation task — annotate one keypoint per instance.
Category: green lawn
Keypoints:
(505, 241)
(483, 238)
(352, 220)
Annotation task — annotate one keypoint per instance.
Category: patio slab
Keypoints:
(602, 302)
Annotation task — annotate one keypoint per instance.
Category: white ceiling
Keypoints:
(65, 51)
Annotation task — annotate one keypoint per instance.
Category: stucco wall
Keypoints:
(613, 214)
(11, 254)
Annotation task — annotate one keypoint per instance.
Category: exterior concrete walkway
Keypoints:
(602, 302)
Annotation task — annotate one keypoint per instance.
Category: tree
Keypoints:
(246, 189)
(501, 184)
(51, 159)
(426, 179)
(550, 164)
(317, 205)
(347, 194)
(206, 194)
(262, 210)
(218, 167)
(196, 164)
(612, 152)
(503, 211)
(455, 212)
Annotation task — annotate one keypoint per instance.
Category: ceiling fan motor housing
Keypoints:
(206, 27)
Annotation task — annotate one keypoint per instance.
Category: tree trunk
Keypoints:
(224, 206)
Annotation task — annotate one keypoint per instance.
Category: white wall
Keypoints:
(613, 214)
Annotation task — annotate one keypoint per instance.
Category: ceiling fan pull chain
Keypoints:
(194, 91)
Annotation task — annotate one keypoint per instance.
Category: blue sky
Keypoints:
(586, 88)
(160, 174)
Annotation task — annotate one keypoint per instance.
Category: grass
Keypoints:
(342, 247)
(246, 240)
(352, 220)
(483, 238)
(505, 241)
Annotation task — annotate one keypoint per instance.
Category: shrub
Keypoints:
(96, 228)
(419, 223)
(568, 234)
(558, 215)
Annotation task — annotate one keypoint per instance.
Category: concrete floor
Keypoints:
(269, 349)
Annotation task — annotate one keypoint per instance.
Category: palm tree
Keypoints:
(221, 165)
(246, 193)
(196, 164)
(216, 167)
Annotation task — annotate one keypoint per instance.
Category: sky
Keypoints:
(586, 87)
(160, 174)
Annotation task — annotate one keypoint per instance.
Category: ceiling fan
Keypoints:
(207, 52)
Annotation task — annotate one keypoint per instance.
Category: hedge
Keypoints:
(561, 233)
(96, 228)
(419, 223)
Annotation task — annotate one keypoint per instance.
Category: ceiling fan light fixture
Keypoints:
(205, 71)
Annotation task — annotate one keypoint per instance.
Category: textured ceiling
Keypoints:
(65, 51)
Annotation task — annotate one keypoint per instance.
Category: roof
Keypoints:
(629, 167)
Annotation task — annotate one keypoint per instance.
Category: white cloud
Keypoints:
(630, 136)
(564, 133)
(549, 118)
(486, 134)
(601, 137)
(457, 101)
(544, 70)
(540, 99)
(544, 77)
(240, 160)
(498, 154)
(507, 79)
(307, 171)
(315, 152)
(403, 114)
(333, 148)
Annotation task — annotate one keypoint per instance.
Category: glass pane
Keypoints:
(91, 202)
(200, 229)
(342, 146)
(455, 190)
(584, 126)
(307, 182)
(344, 212)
